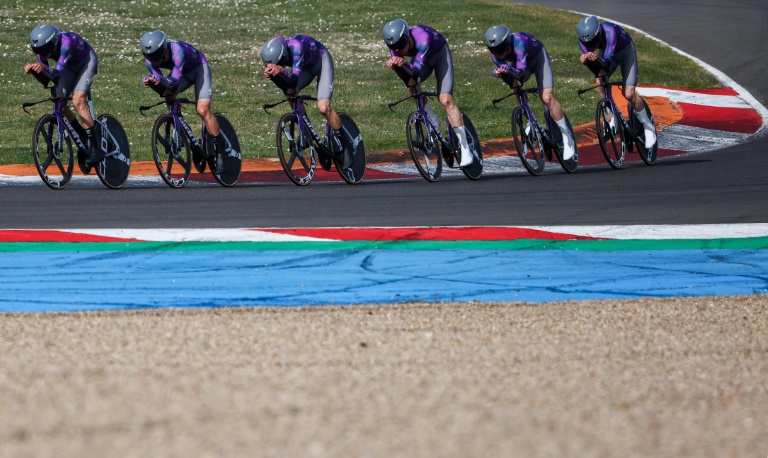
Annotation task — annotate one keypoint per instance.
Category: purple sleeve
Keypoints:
(73, 50)
(179, 57)
(521, 56)
(615, 39)
(426, 41)
(298, 58)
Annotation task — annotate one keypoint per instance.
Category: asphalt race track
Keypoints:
(726, 186)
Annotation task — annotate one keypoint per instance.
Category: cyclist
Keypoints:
(527, 55)
(76, 65)
(188, 67)
(308, 59)
(428, 51)
(606, 46)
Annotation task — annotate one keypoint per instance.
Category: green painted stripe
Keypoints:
(522, 244)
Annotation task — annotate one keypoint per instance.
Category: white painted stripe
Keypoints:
(680, 137)
(196, 235)
(709, 100)
(664, 232)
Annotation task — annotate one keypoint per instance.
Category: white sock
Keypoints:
(650, 132)
(568, 144)
(466, 154)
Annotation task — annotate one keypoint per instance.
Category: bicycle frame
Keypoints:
(59, 107)
(297, 107)
(523, 94)
(181, 126)
(608, 86)
(421, 102)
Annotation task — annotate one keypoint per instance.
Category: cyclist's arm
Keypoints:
(178, 57)
(423, 43)
(521, 58)
(605, 58)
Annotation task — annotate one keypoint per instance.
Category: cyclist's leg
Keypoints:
(203, 93)
(443, 65)
(325, 78)
(628, 58)
(545, 82)
(81, 87)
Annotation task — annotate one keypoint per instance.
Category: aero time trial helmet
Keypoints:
(43, 39)
(396, 34)
(274, 51)
(154, 44)
(588, 30)
(496, 38)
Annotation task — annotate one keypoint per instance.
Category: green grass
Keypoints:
(231, 32)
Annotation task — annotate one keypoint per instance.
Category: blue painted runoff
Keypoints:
(110, 280)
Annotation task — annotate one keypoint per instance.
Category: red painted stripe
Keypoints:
(54, 236)
(428, 233)
(743, 120)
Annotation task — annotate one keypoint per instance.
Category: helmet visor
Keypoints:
(590, 43)
(45, 50)
(500, 49)
(157, 55)
(399, 44)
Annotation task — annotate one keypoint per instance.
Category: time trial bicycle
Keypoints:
(616, 135)
(300, 147)
(173, 143)
(535, 142)
(54, 134)
(429, 148)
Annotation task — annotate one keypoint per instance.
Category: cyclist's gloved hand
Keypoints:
(149, 79)
(501, 70)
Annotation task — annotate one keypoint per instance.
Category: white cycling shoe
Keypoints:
(569, 147)
(650, 137)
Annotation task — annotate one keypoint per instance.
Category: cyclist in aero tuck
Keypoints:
(527, 55)
(308, 59)
(76, 65)
(428, 51)
(188, 67)
(606, 46)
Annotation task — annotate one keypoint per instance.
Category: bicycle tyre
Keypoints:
(52, 153)
(354, 140)
(475, 169)
(528, 143)
(612, 141)
(113, 170)
(170, 147)
(298, 158)
(425, 152)
(556, 135)
(647, 155)
(233, 159)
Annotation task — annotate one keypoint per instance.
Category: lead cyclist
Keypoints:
(76, 65)
(604, 48)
